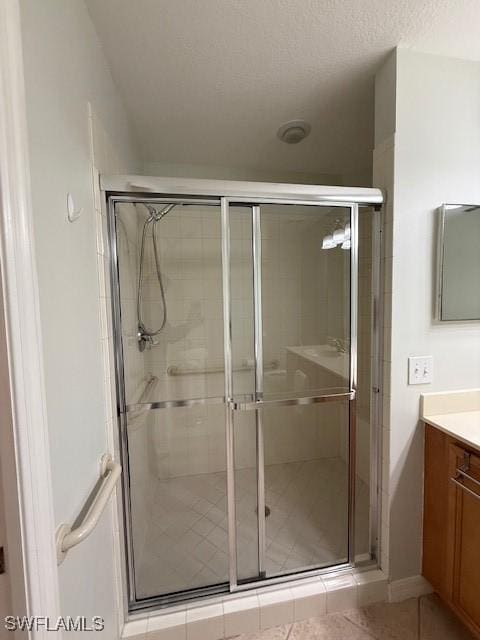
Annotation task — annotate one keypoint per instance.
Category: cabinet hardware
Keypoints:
(462, 486)
(463, 472)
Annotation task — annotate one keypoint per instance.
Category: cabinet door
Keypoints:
(465, 469)
(437, 514)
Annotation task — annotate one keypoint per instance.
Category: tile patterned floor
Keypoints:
(425, 618)
(185, 542)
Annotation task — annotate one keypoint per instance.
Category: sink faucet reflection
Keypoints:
(340, 345)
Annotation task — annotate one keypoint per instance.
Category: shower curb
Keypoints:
(260, 609)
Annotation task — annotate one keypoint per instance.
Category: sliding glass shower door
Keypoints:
(173, 424)
(290, 316)
(235, 331)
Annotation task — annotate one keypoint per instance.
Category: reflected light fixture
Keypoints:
(340, 237)
(328, 242)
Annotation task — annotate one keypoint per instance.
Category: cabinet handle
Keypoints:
(462, 486)
(463, 472)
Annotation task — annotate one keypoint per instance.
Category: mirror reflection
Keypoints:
(459, 268)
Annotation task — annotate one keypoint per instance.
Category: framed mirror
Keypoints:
(458, 272)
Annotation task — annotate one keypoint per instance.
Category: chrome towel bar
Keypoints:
(66, 537)
(462, 473)
(460, 485)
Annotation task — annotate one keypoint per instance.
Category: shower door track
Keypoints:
(120, 189)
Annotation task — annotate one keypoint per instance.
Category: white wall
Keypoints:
(12, 586)
(244, 173)
(436, 160)
(64, 71)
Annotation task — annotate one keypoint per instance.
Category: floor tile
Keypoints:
(437, 622)
(276, 633)
(385, 621)
(332, 627)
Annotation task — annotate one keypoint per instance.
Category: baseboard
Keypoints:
(411, 587)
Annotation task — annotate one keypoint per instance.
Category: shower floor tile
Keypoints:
(184, 543)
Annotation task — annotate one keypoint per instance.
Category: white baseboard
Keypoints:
(411, 587)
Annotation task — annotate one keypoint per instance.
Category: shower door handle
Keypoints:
(250, 403)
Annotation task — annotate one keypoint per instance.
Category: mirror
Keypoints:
(458, 282)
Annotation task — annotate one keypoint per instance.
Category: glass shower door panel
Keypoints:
(306, 487)
(305, 303)
(177, 476)
(305, 320)
(176, 451)
(186, 355)
(305, 308)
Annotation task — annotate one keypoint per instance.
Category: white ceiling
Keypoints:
(210, 81)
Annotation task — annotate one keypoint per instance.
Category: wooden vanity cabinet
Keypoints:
(451, 536)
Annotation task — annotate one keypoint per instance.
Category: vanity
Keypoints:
(451, 526)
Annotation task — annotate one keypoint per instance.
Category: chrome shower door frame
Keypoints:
(256, 402)
(225, 194)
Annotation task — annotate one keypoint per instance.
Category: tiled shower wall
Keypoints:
(303, 303)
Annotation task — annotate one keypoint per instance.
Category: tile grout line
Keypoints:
(358, 626)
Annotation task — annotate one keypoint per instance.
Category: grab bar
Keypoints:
(149, 385)
(66, 537)
(135, 421)
(175, 370)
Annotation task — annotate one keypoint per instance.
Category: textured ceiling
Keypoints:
(210, 81)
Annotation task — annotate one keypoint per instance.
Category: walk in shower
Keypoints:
(246, 342)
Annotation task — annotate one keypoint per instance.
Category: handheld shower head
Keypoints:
(145, 334)
(158, 215)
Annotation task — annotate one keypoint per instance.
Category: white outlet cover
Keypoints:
(420, 370)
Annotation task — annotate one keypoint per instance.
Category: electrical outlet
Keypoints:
(420, 370)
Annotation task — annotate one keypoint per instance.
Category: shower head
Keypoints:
(158, 215)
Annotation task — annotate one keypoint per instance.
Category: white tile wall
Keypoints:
(277, 606)
(383, 177)
(205, 622)
(171, 626)
(310, 599)
(241, 615)
(341, 592)
(297, 290)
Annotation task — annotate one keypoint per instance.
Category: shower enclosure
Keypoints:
(246, 344)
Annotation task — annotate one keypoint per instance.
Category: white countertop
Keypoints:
(324, 356)
(463, 426)
(456, 413)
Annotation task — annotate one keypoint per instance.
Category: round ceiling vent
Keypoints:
(294, 131)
